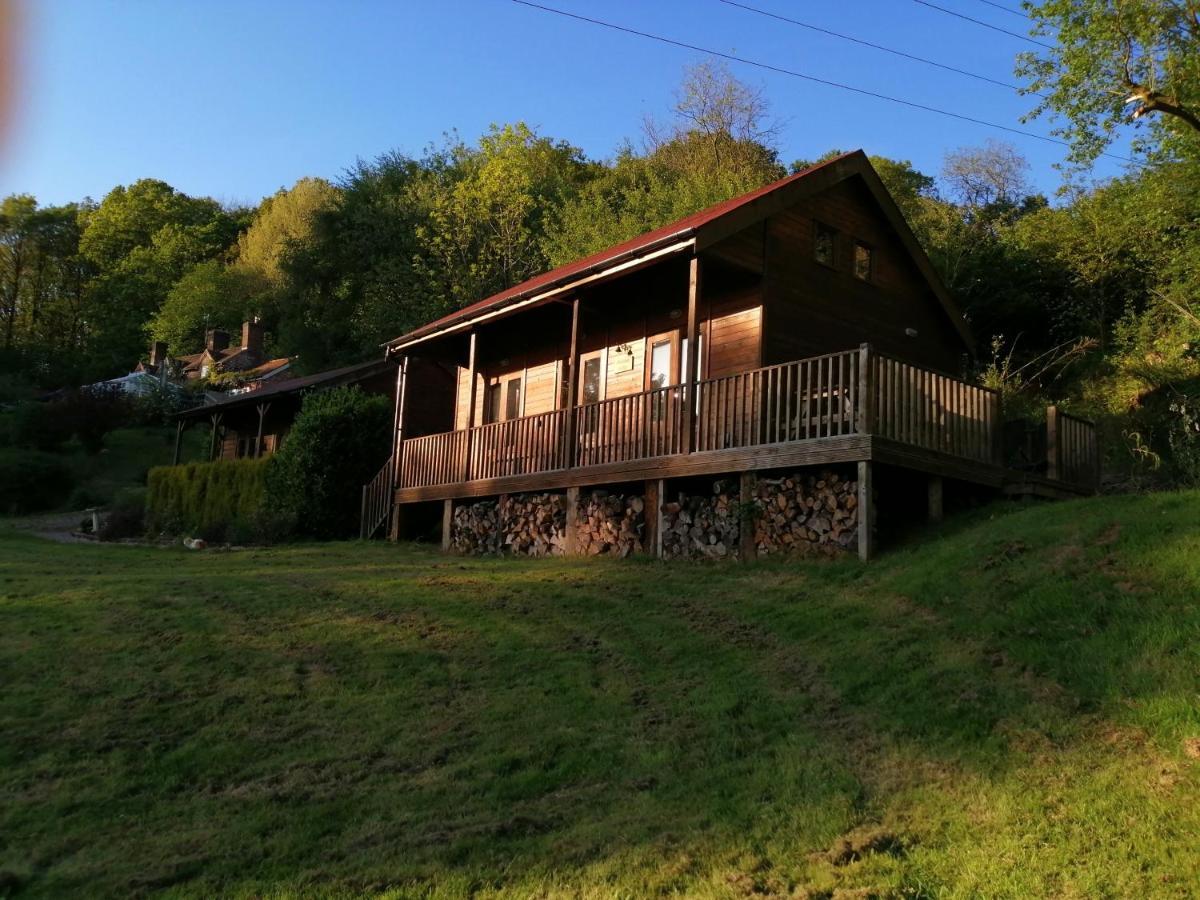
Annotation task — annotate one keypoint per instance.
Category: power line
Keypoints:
(958, 15)
(782, 71)
(1007, 9)
(846, 37)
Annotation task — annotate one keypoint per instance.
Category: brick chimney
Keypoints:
(252, 337)
(158, 353)
(216, 339)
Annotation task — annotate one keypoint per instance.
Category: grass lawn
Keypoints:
(1002, 710)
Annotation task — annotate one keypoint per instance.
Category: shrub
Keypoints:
(126, 518)
(338, 442)
(218, 501)
(36, 425)
(31, 480)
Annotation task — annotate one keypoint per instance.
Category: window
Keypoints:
(492, 410)
(591, 389)
(864, 261)
(512, 399)
(824, 244)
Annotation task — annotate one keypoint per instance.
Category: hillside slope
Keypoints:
(1008, 708)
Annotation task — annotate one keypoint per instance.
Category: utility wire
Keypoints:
(846, 37)
(958, 15)
(782, 71)
(1007, 9)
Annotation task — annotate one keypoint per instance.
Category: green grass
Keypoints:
(1000, 710)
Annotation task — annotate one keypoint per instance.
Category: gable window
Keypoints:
(824, 244)
(864, 261)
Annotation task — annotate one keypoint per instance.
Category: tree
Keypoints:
(719, 145)
(18, 215)
(209, 295)
(283, 223)
(1117, 62)
(992, 176)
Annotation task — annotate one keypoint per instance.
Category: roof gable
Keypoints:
(705, 228)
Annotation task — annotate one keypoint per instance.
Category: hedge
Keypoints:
(218, 501)
(31, 481)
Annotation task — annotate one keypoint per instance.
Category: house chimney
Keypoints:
(158, 353)
(216, 339)
(252, 337)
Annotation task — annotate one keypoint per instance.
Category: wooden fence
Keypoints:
(377, 500)
(1072, 454)
(924, 409)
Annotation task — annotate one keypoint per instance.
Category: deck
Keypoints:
(856, 405)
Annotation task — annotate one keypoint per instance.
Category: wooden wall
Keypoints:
(812, 308)
(617, 320)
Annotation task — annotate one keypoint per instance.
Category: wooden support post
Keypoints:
(447, 523)
(572, 383)
(935, 498)
(1053, 469)
(866, 390)
(212, 443)
(866, 511)
(695, 276)
(571, 542)
(747, 546)
(394, 527)
(651, 516)
(655, 514)
(178, 442)
(473, 375)
(258, 441)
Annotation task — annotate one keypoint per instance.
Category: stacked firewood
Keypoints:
(519, 524)
(610, 523)
(809, 514)
(700, 527)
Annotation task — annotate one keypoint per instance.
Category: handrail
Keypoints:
(377, 500)
(848, 393)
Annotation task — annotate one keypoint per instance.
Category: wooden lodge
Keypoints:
(757, 345)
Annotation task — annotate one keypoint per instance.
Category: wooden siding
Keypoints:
(812, 308)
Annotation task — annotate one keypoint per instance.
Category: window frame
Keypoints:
(818, 228)
(869, 277)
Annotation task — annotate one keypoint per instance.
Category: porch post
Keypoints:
(447, 523)
(178, 441)
(258, 441)
(747, 546)
(695, 274)
(470, 407)
(866, 390)
(866, 511)
(212, 443)
(572, 382)
(398, 445)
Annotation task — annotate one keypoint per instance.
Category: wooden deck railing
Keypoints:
(839, 394)
(796, 401)
(1072, 453)
(635, 426)
(377, 500)
(924, 409)
(521, 446)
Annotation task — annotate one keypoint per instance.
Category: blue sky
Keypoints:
(236, 100)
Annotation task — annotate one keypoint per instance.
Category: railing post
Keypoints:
(1053, 462)
(466, 469)
(866, 390)
(690, 419)
(572, 385)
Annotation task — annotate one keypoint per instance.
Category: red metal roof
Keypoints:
(674, 231)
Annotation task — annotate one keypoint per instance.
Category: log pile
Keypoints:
(699, 527)
(610, 523)
(519, 524)
(806, 514)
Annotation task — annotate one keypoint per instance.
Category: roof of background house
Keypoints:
(855, 162)
(285, 386)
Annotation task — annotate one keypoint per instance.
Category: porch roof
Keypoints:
(722, 219)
